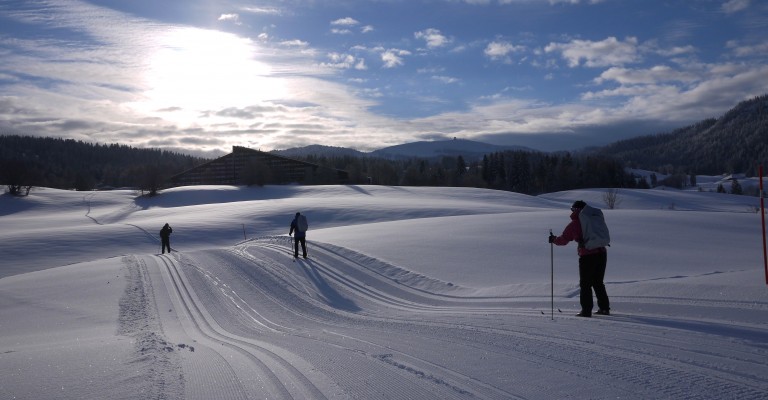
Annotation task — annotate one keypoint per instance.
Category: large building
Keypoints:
(246, 166)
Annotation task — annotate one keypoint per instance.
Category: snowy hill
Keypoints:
(408, 293)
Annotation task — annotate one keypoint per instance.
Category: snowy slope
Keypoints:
(409, 293)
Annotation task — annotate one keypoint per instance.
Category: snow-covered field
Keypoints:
(409, 293)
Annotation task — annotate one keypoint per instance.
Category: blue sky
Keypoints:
(202, 75)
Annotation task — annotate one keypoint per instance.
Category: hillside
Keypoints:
(376, 311)
(735, 142)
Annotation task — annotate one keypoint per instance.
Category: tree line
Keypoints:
(514, 170)
(27, 161)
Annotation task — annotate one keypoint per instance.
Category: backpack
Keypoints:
(301, 223)
(594, 231)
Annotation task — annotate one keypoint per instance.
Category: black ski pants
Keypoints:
(591, 275)
(166, 243)
(296, 241)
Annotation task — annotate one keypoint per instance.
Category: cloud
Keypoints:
(393, 57)
(733, 6)
(742, 50)
(445, 79)
(344, 61)
(261, 10)
(653, 75)
(433, 37)
(294, 43)
(665, 94)
(500, 50)
(608, 52)
(230, 17)
(337, 31)
(345, 22)
(118, 78)
(553, 2)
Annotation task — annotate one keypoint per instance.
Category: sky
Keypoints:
(201, 76)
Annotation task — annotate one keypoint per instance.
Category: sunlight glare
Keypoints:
(201, 70)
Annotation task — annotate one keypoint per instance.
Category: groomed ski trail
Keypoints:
(333, 326)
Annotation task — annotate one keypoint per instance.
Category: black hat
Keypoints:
(579, 204)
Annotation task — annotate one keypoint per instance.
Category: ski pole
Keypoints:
(552, 277)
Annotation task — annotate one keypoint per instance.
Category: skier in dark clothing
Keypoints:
(165, 238)
(299, 225)
(592, 263)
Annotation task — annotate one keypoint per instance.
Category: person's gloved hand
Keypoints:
(552, 238)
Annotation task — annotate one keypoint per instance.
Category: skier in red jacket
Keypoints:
(592, 263)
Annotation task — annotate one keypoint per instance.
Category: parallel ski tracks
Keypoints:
(642, 366)
(452, 382)
(422, 301)
(701, 368)
(292, 385)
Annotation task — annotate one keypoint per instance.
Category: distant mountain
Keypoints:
(320, 151)
(468, 149)
(735, 142)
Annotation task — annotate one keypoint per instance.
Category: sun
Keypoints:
(200, 70)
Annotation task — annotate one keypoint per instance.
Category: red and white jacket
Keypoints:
(572, 232)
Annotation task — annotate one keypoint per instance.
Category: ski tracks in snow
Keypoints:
(263, 326)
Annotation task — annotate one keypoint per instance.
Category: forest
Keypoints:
(737, 142)
(27, 161)
(527, 172)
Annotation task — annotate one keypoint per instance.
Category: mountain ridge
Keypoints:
(469, 149)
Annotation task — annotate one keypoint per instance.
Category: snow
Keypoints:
(409, 293)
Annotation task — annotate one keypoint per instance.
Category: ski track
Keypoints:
(267, 326)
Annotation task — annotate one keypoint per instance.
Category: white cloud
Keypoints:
(500, 50)
(445, 79)
(393, 57)
(341, 31)
(433, 37)
(741, 50)
(733, 6)
(230, 17)
(262, 10)
(605, 53)
(294, 43)
(345, 22)
(653, 75)
(553, 2)
(367, 29)
(344, 61)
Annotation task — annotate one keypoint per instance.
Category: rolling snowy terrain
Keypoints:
(408, 293)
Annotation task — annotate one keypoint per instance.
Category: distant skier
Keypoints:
(165, 238)
(300, 226)
(592, 257)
